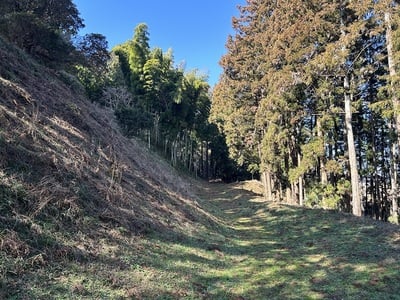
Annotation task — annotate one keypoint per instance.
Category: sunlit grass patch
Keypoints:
(265, 251)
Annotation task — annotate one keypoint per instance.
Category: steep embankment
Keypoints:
(62, 154)
(69, 181)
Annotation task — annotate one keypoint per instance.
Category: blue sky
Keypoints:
(196, 30)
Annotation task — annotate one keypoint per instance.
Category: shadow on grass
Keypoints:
(257, 250)
(273, 251)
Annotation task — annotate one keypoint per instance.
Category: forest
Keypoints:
(308, 100)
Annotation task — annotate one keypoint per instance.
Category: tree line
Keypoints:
(153, 99)
(309, 99)
(166, 106)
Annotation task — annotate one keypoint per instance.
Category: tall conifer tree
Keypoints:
(300, 81)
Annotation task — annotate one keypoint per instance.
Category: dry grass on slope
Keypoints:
(65, 168)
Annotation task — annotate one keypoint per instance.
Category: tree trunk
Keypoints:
(201, 162)
(149, 138)
(393, 180)
(396, 115)
(267, 183)
(301, 196)
(322, 160)
(265, 179)
(166, 147)
(191, 156)
(157, 130)
(355, 187)
(289, 194)
(207, 167)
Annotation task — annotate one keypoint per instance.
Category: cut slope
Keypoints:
(67, 153)
(65, 169)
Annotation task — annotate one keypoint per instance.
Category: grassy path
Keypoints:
(241, 248)
(280, 252)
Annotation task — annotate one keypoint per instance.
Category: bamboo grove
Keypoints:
(165, 106)
(309, 99)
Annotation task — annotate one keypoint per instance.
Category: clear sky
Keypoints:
(196, 30)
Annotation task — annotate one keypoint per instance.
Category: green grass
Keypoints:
(258, 250)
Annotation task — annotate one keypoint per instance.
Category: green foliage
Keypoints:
(133, 120)
(36, 37)
(394, 219)
(312, 151)
(223, 167)
(161, 82)
(61, 15)
(92, 82)
(138, 51)
(41, 27)
(334, 167)
(281, 96)
(168, 107)
(139, 48)
(93, 70)
(121, 62)
(115, 73)
(327, 196)
(93, 47)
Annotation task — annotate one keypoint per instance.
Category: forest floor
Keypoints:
(253, 250)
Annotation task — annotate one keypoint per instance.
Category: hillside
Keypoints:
(69, 179)
(86, 213)
(53, 139)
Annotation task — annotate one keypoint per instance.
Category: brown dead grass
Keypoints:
(73, 190)
(71, 163)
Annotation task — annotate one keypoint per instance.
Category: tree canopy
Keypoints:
(41, 27)
(308, 98)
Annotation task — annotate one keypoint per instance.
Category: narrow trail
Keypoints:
(240, 206)
(236, 246)
(256, 248)
(276, 251)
